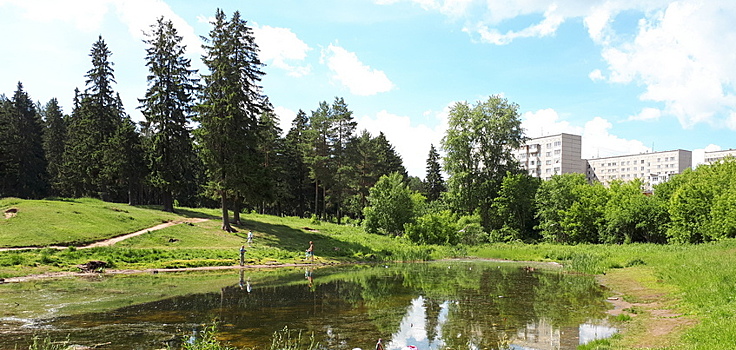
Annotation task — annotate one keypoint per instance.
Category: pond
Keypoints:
(437, 305)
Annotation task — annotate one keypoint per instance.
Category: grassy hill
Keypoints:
(71, 221)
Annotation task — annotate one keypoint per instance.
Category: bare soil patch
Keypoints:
(656, 322)
(9, 213)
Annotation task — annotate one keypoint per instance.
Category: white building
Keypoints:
(652, 168)
(549, 155)
(712, 157)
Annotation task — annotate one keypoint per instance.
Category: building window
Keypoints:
(558, 143)
(642, 161)
(557, 152)
(549, 145)
(548, 154)
(549, 162)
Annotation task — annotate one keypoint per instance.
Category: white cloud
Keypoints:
(411, 141)
(280, 46)
(681, 54)
(361, 79)
(88, 15)
(546, 122)
(647, 114)
(139, 15)
(599, 142)
(699, 154)
(596, 137)
(596, 75)
(548, 26)
(286, 116)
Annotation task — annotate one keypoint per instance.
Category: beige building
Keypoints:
(549, 155)
(652, 168)
(712, 157)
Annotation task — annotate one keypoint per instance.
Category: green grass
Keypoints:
(697, 280)
(71, 221)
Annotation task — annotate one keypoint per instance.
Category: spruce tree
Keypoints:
(24, 162)
(90, 164)
(231, 102)
(295, 169)
(434, 183)
(53, 143)
(342, 134)
(167, 107)
(7, 165)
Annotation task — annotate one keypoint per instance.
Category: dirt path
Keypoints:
(153, 271)
(111, 241)
(656, 321)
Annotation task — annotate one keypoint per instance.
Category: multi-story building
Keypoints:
(549, 155)
(712, 157)
(652, 168)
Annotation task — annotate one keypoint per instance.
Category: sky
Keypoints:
(630, 76)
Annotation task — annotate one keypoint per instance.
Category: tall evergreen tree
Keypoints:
(231, 102)
(24, 163)
(389, 161)
(434, 184)
(295, 169)
(317, 154)
(7, 165)
(342, 133)
(91, 164)
(53, 143)
(167, 108)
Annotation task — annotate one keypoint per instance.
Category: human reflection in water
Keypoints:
(243, 284)
(309, 278)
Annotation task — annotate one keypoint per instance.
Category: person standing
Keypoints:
(242, 255)
(250, 238)
(310, 251)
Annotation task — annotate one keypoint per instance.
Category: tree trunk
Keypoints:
(225, 219)
(236, 210)
(168, 201)
(316, 198)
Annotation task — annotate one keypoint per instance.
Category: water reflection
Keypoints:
(473, 305)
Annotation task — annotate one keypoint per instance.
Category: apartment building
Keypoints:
(652, 168)
(549, 155)
(715, 156)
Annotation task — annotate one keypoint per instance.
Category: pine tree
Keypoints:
(167, 108)
(24, 162)
(434, 183)
(91, 167)
(342, 133)
(231, 102)
(7, 165)
(317, 154)
(295, 169)
(389, 161)
(53, 143)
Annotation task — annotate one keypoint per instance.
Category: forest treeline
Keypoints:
(212, 139)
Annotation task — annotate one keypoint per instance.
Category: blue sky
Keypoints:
(630, 76)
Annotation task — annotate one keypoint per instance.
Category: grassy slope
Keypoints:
(71, 221)
(698, 281)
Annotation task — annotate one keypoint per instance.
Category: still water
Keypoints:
(439, 305)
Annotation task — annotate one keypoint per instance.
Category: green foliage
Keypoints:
(570, 210)
(47, 344)
(286, 340)
(701, 203)
(435, 184)
(23, 162)
(434, 228)
(167, 107)
(391, 206)
(478, 146)
(204, 340)
(514, 209)
(632, 216)
(230, 103)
